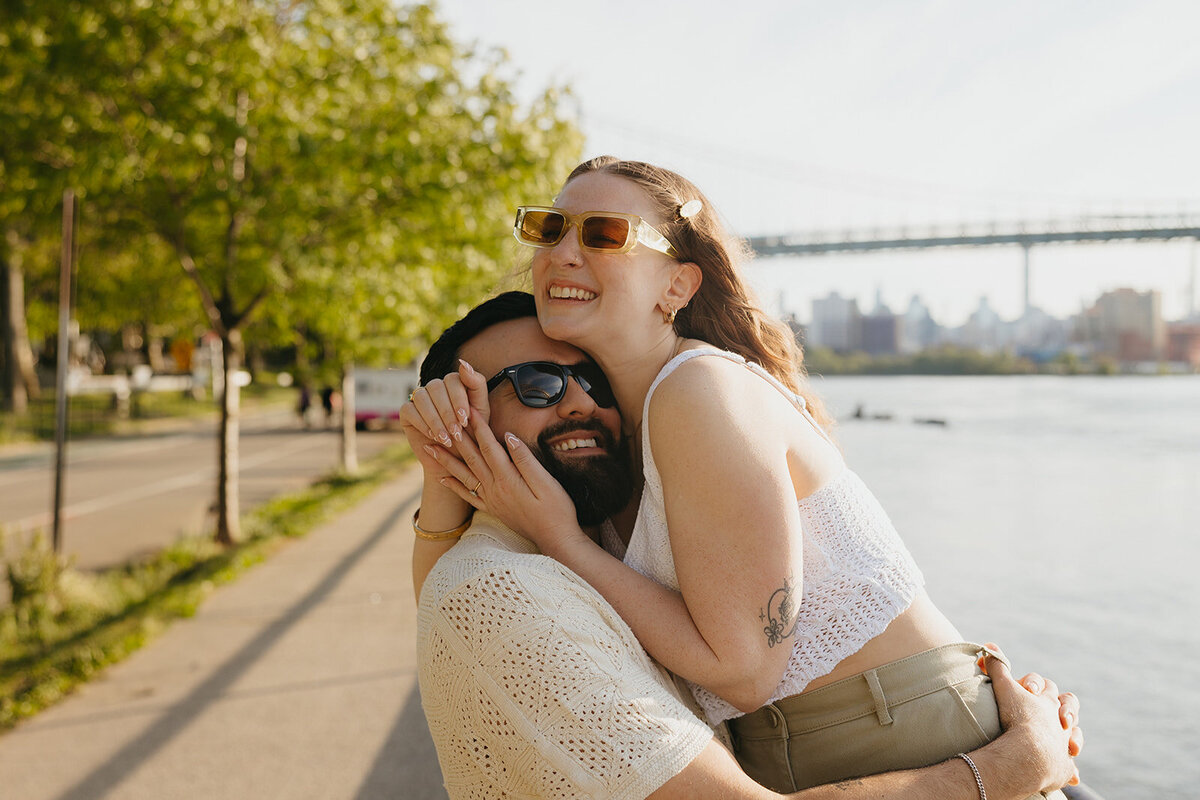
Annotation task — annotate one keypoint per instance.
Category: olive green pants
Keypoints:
(910, 713)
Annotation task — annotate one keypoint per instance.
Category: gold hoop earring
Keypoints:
(669, 315)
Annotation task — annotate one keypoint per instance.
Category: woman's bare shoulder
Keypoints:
(711, 385)
(709, 406)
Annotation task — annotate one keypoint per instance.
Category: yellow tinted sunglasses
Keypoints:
(599, 231)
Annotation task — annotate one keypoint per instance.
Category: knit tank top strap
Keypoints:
(795, 399)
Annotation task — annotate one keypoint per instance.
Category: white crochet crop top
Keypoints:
(858, 575)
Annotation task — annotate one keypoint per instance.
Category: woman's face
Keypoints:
(592, 299)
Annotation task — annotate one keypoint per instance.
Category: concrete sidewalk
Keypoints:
(296, 681)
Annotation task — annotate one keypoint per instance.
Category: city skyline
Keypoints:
(795, 116)
(792, 295)
(1124, 326)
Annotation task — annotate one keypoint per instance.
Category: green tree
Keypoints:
(32, 178)
(327, 158)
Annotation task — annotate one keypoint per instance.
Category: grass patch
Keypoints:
(54, 639)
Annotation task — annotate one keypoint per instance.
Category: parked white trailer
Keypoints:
(379, 393)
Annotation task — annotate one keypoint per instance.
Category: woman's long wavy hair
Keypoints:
(723, 312)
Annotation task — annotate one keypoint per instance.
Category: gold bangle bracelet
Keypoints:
(439, 536)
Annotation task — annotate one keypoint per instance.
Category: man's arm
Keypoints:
(1034, 754)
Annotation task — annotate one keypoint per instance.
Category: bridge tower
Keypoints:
(1025, 248)
(1192, 281)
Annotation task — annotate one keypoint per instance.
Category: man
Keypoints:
(532, 685)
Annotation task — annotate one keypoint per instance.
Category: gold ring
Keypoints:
(475, 491)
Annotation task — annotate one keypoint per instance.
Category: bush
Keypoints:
(33, 579)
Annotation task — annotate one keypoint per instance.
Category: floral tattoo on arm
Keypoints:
(780, 607)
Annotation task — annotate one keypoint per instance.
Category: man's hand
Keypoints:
(1046, 721)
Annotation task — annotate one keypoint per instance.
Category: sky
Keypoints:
(800, 116)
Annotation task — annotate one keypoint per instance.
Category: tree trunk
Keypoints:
(228, 503)
(154, 349)
(349, 440)
(18, 379)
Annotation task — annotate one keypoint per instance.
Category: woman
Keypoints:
(760, 568)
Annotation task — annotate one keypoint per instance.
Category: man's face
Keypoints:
(578, 442)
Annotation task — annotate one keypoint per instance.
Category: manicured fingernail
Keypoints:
(512, 440)
(457, 433)
(467, 366)
(444, 438)
(462, 416)
(431, 450)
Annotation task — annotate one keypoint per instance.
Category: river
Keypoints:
(1059, 517)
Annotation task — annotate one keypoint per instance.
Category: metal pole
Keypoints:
(64, 344)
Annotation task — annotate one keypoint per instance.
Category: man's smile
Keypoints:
(574, 443)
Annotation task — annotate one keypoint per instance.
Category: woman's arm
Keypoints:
(720, 438)
(441, 509)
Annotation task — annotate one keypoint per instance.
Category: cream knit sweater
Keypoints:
(534, 687)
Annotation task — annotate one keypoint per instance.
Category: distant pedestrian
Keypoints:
(327, 394)
(304, 405)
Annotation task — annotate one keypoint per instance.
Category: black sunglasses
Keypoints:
(541, 384)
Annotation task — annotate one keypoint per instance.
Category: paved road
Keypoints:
(130, 496)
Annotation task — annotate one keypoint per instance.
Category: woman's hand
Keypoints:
(1049, 720)
(439, 410)
(517, 490)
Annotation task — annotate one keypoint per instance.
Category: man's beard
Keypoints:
(600, 486)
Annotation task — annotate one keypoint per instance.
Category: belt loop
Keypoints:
(778, 720)
(881, 709)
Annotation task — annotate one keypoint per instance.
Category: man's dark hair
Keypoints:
(442, 358)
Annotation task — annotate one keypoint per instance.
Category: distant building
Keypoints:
(1125, 324)
(1183, 344)
(836, 324)
(881, 334)
(882, 330)
(1038, 335)
(983, 329)
(919, 331)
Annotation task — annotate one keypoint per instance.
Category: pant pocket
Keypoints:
(766, 761)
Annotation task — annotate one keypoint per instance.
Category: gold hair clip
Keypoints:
(690, 209)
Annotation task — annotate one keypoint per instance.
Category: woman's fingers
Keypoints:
(527, 465)
(475, 385)
(491, 452)
(456, 469)
(442, 393)
(456, 486)
(435, 406)
(423, 402)
(459, 403)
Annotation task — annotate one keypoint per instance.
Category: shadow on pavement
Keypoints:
(100, 781)
(406, 766)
